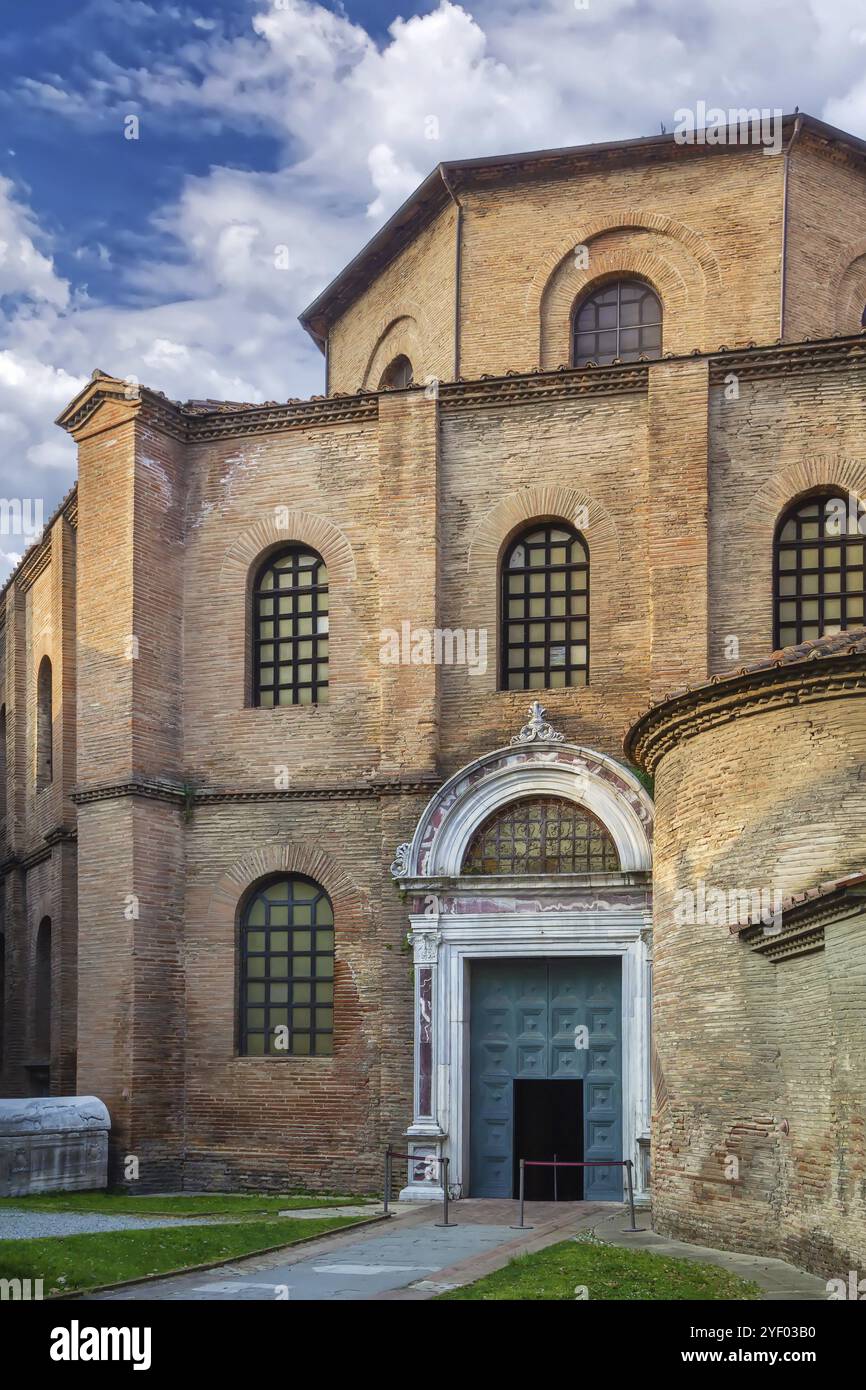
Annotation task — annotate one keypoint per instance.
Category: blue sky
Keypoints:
(270, 123)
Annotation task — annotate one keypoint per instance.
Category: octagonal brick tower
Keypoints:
(759, 990)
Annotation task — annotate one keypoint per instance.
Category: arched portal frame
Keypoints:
(457, 919)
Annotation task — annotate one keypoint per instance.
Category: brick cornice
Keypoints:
(39, 554)
(520, 388)
(695, 711)
(58, 835)
(804, 923)
(362, 408)
(204, 796)
(788, 944)
(788, 359)
(75, 418)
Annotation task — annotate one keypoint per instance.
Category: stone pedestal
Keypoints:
(53, 1144)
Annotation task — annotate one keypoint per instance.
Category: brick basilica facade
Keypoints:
(280, 893)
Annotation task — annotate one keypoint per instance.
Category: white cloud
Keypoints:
(25, 270)
(355, 121)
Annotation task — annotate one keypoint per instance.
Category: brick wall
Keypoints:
(773, 800)
(703, 226)
(826, 248)
(780, 435)
(408, 308)
(38, 853)
(411, 501)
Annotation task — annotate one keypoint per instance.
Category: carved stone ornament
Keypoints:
(400, 867)
(425, 946)
(537, 730)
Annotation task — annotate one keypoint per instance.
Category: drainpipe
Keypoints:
(458, 266)
(798, 125)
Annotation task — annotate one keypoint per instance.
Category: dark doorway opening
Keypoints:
(548, 1122)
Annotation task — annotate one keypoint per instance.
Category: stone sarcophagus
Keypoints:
(53, 1144)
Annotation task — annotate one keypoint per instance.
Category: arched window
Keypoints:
(397, 373)
(42, 991)
(290, 620)
(818, 569)
(619, 320)
(545, 609)
(541, 835)
(44, 725)
(287, 971)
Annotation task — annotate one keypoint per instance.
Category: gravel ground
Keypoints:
(16, 1223)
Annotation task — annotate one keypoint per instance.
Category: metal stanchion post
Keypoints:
(387, 1179)
(444, 1164)
(632, 1229)
(521, 1226)
(555, 1180)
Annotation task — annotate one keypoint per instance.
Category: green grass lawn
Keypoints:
(66, 1263)
(216, 1204)
(607, 1272)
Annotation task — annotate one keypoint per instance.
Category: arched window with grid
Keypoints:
(286, 973)
(619, 320)
(290, 629)
(818, 570)
(541, 835)
(545, 609)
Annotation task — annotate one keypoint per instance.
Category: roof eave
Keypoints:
(387, 243)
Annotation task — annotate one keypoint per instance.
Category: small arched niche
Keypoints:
(398, 374)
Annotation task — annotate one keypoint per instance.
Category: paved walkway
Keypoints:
(411, 1258)
(405, 1251)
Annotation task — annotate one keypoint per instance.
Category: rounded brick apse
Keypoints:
(759, 956)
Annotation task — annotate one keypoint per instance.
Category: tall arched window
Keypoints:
(290, 629)
(541, 835)
(287, 971)
(44, 725)
(42, 991)
(398, 373)
(621, 320)
(818, 569)
(545, 609)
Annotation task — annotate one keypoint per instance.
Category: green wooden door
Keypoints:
(546, 1019)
